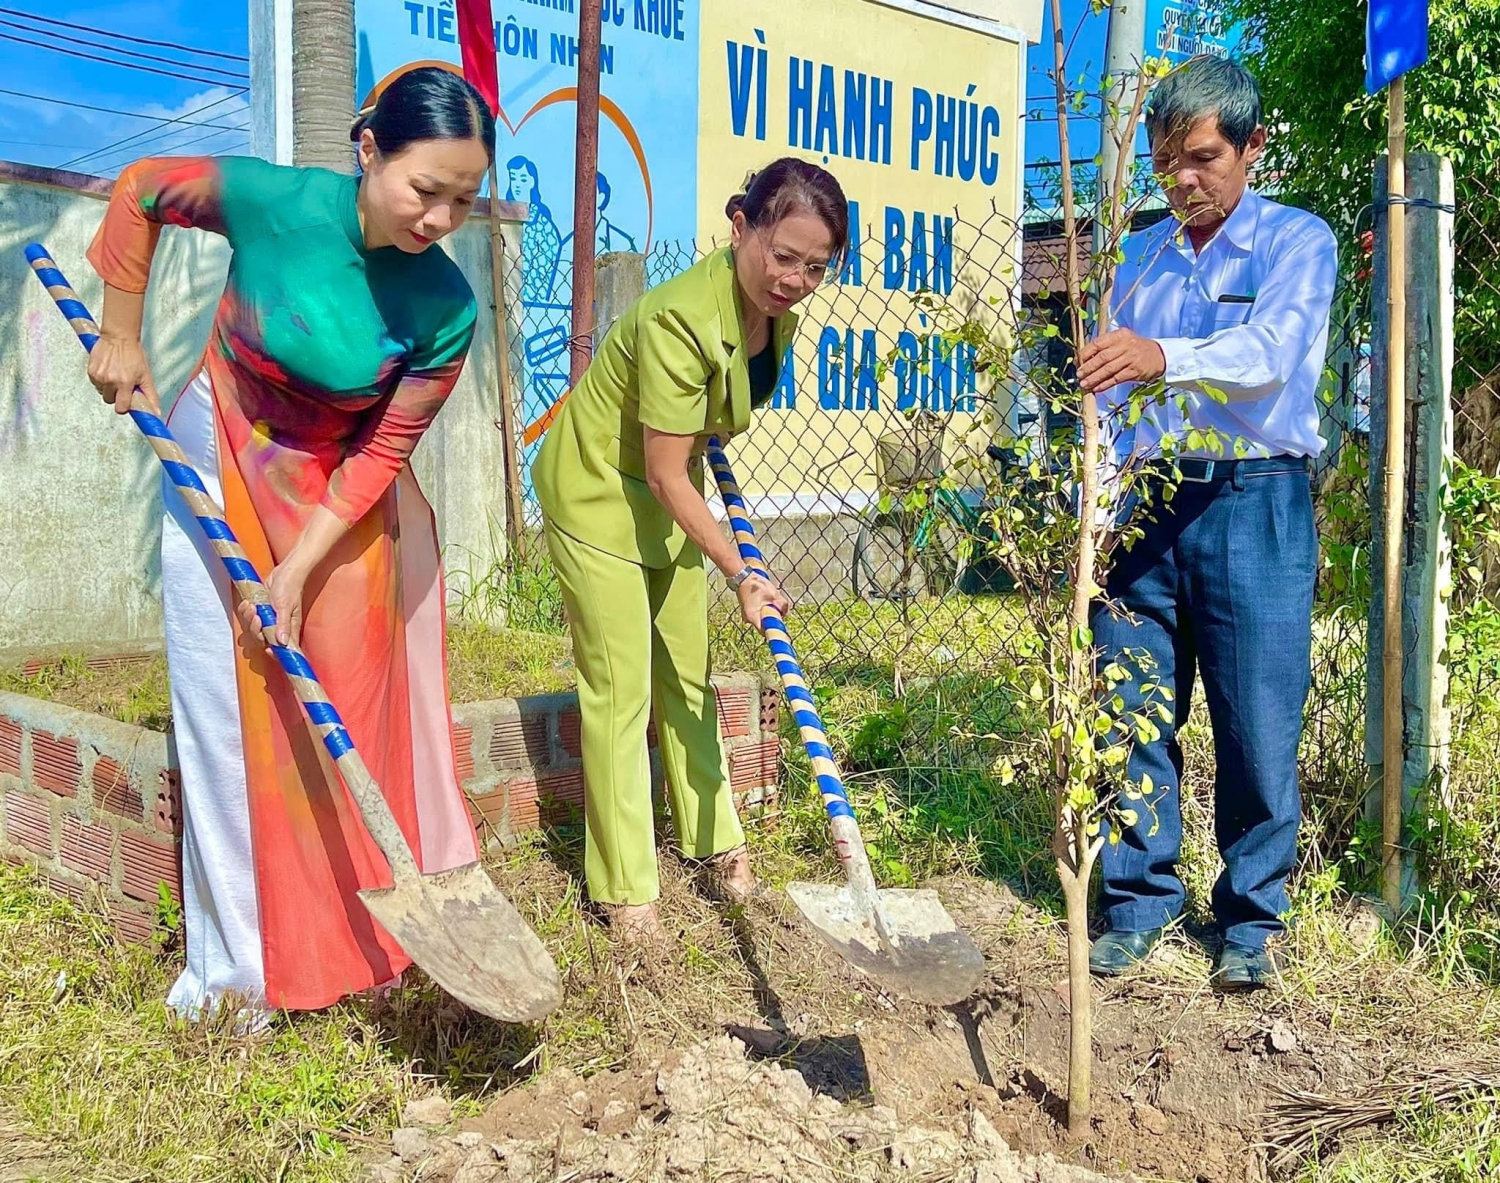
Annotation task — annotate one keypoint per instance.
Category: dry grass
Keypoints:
(91, 1059)
(1303, 1123)
(482, 663)
(133, 691)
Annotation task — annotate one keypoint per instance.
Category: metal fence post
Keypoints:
(1429, 444)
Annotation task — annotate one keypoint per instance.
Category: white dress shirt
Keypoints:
(1247, 317)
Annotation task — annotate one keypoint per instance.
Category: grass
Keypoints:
(1427, 1144)
(124, 1092)
(93, 1060)
(916, 710)
(482, 663)
(135, 693)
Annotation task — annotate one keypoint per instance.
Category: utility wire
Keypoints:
(111, 62)
(236, 75)
(140, 151)
(42, 98)
(175, 149)
(146, 132)
(213, 53)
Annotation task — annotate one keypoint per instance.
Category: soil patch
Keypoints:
(809, 1071)
(713, 1111)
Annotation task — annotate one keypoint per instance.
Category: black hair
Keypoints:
(787, 185)
(429, 103)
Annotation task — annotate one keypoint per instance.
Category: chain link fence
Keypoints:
(1461, 818)
(895, 593)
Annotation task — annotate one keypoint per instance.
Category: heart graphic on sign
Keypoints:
(565, 94)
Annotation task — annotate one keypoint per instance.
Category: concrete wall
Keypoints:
(79, 495)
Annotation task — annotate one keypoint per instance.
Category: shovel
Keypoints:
(903, 939)
(454, 924)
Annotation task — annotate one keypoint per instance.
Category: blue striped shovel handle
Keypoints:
(247, 584)
(849, 845)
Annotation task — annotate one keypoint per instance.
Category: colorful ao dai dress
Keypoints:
(326, 363)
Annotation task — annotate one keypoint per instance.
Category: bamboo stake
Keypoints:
(514, 520)
(1393, 761)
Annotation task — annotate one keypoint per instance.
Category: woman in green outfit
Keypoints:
(620, 480)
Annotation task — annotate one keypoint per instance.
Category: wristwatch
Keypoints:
(736, 580)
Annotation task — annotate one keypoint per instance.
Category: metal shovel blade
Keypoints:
(926, 959)
(471, 941)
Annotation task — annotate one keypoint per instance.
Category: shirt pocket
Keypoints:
(1229, 314)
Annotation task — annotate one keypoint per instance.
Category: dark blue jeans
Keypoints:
(1221, 584)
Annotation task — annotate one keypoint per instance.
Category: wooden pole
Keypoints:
(514, 511)
(1393, 758)
(585, 189)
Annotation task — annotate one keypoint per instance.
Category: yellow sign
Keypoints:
(920, 120)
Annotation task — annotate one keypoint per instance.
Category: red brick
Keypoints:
(147, 861)
(72, 889)
(54, 763)
(560, 796)
(770, 709)
(570, 733)
(520, 742)
(10, 746)
(525, 811)
(754, 765)
(131, 926)
(734, 711)
(463, 749)
(486, 809)
(28, 823)
(167, 809)
(549, 800)
(107, 661)
(86, 847)
(113, 790)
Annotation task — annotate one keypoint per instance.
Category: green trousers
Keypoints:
(640, 641)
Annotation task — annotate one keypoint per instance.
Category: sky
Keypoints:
(202, 90)
(198, 88)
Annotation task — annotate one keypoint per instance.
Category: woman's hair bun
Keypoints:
(737, 202)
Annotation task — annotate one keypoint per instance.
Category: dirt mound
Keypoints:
(715, 1111)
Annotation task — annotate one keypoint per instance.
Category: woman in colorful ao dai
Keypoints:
(341, 333)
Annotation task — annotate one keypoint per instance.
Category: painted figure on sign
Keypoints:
(541, 244)
(608, 236)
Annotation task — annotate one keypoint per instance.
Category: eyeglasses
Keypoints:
(784, 263)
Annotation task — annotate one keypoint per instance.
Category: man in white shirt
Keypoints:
(1231, 298)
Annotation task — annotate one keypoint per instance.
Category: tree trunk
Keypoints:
(1075, 885)
(1080, 1004)
(323, 83)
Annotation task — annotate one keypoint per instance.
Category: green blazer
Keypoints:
(675, 362)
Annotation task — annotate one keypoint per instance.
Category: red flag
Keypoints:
(476, 37)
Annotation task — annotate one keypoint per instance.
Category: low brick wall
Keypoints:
(96, 806)
(519, 759)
